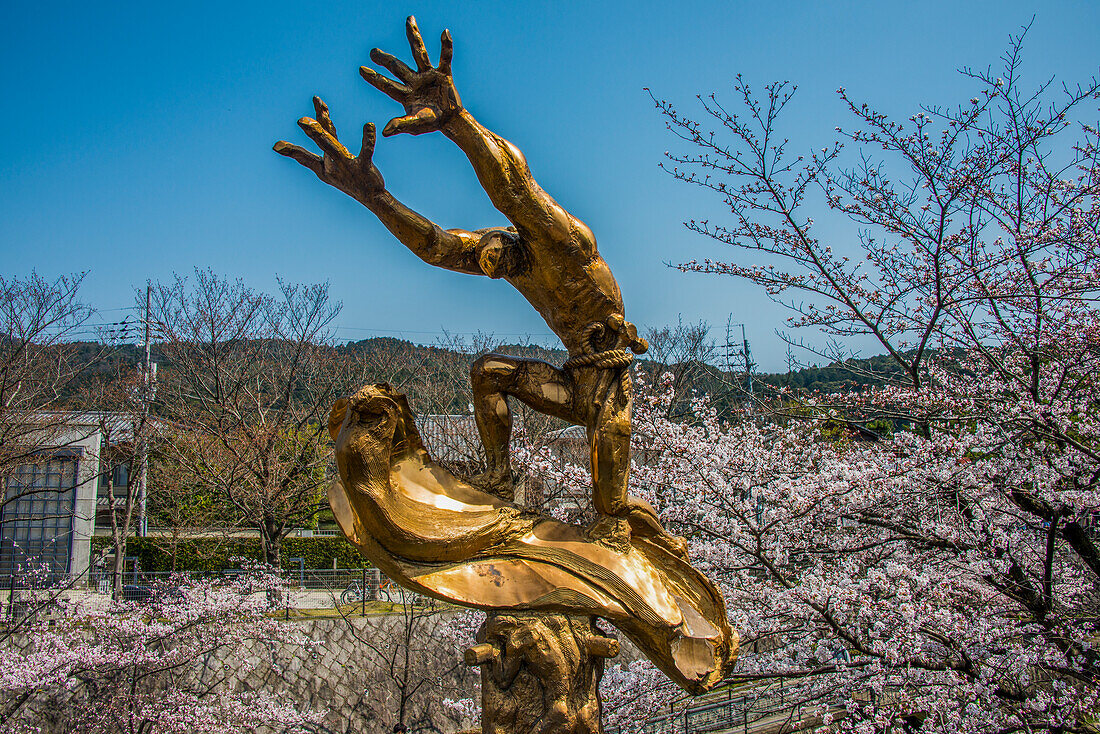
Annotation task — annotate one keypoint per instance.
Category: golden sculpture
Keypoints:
(436, 534)
(464, 541)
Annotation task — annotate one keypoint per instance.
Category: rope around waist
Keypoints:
(610, 359)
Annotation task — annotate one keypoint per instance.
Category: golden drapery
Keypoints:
(436, 534)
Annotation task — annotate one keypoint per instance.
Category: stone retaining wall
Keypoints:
(358, 673)
(361, 673)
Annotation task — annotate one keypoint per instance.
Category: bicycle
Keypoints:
(353, 593)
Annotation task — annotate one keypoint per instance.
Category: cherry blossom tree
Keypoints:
(945, 576)
(975, 226)
(889, 583)
(130, 667)
(634, 691)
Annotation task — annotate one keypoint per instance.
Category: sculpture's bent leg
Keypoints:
(609, 444)
(537, 384)
(620, 515)
(540, 673)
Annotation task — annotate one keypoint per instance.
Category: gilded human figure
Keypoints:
(543, 582)
(550, 257)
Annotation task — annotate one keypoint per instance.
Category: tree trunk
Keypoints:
(120, 557)
(272, 542)
(120, 529)
(118, 540)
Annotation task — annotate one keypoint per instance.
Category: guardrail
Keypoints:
(757, 709)
(340, 590)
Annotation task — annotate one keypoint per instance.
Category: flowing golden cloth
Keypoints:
(436, 534)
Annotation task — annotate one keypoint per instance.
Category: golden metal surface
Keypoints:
(540, 673)
(436, 534)
(464, 541)
(549, 256)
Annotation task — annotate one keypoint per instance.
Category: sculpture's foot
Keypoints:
(611, 532)
(674, 544)
(644, 523)
(643, 527)
(496, 482)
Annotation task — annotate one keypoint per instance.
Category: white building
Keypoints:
(48, 515)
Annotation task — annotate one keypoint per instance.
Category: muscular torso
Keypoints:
(566, 281)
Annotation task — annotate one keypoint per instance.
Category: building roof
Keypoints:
(451, 438)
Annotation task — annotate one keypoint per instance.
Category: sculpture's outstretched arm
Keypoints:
(359, 178)
(432, 103)
(503, 172)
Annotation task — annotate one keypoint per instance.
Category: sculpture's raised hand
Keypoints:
(356, 176)
(428, 94)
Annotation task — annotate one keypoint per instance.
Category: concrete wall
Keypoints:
(353, 677)
(87, 440)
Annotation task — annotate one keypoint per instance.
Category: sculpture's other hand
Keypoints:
(427, 94)
(356, 176)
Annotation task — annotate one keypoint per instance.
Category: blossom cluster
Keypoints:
(939, 571)
(899, 580)
(132, 666)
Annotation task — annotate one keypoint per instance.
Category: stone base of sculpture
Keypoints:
(540, 673)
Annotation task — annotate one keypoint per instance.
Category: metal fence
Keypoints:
(306, 590)
(754, 710)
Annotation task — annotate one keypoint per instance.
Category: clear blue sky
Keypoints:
(138, 135)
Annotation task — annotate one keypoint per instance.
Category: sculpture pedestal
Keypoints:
(540, 673)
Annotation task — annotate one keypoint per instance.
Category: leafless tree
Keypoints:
(120, 396)
(40, 320)
(181, 506)
(248, 381)
(686, 353)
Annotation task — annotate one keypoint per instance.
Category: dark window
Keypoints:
(119, 475)
(36, 521)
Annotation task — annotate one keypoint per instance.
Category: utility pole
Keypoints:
(731, 360)
(745, 357)
(146, 396)
(748, 361)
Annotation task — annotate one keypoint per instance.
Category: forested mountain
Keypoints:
(836, 377)
(435, 375)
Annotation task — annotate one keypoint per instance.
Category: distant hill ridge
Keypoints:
(711, 379)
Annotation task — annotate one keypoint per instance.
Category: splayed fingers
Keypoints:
(355, 175)
(427, 93)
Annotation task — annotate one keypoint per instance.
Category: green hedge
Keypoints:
(211, 555)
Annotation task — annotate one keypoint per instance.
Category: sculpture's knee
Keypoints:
(491, 373)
